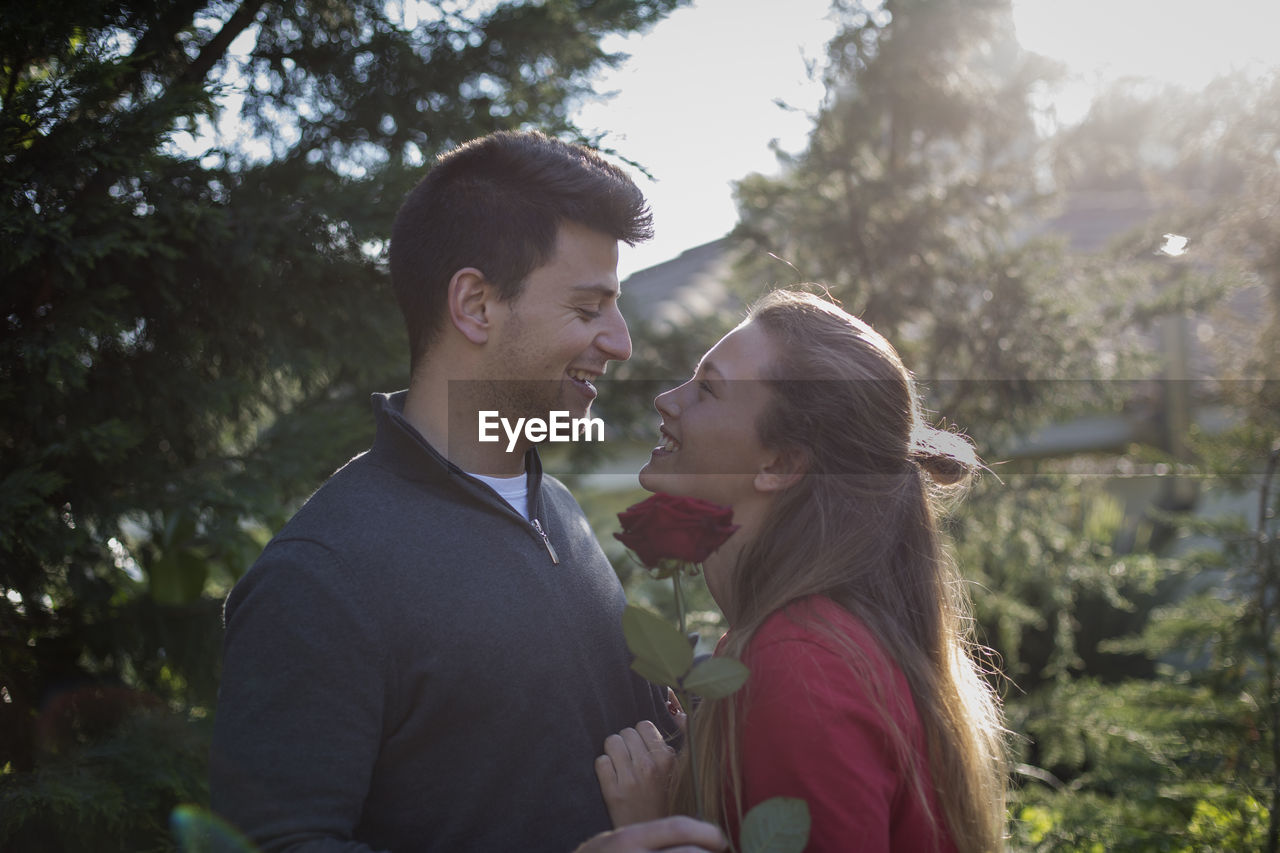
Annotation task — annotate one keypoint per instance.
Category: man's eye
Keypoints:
(588, 313)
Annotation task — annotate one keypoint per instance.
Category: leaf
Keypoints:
(178, 577)
(716, 678)
(663, 654)
(655, 674)
(778, 825)
(178, 528)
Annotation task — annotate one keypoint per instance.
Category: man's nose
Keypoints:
(615, 340)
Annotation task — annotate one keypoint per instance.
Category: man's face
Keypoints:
(556, 337)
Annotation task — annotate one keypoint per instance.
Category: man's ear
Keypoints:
(781, 472)
(471, 300)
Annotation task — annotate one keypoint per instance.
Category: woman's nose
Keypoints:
(666, 404)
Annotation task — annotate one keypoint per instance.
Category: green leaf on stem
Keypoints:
(656, 674)
(778, 825)
(663, 654)
(716, 678)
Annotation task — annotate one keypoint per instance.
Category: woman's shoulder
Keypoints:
(816, 633)
(817, 621)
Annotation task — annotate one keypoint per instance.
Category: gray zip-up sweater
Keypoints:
(407, 668)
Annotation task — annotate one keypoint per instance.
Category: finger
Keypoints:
(653, 739)
(616, 749)
(682, 723)
(635, 745)
(606, 775)
(673, 703)
(679, 829)
(677, 712)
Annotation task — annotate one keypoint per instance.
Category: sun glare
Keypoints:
(1172, 41)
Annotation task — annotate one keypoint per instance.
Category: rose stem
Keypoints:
(693, 755)
(687, 704)
(675, 582)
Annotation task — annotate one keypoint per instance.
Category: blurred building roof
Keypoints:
(689, 286)
(1090, 220)
(692, 284)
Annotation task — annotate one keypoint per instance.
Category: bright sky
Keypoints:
(695, 103)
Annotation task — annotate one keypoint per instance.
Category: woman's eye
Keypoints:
(703, 385)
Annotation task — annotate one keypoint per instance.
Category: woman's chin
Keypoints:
(656, 481)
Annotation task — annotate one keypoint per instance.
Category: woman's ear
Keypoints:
(781, 472)
(470, 302)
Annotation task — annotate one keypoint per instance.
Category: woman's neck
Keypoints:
(721, 566)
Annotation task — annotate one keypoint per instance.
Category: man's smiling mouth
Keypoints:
(584, 378)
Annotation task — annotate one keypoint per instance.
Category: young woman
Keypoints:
(864, 698)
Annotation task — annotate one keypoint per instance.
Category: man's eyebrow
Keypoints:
(604, 290)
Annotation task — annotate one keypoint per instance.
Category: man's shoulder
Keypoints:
(342, 529)
(361, 485)
(555, 490)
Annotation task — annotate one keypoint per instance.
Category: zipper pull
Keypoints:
(537, 525)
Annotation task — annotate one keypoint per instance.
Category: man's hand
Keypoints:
(635, 773)
(678, 834)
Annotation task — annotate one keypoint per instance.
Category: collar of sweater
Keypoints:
(413, 457)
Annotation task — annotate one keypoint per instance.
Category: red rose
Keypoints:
(665, 527)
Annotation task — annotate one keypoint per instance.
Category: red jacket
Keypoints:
(812, 728)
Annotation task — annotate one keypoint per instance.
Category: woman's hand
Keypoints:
(678, 834)
(635, 773)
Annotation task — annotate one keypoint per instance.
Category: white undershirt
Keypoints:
(513, 490)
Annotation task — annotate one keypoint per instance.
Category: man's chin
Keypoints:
(576, 409)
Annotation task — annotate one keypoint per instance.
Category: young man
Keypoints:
(428, 657)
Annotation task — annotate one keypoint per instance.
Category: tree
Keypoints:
(190, 329)
(911, 197)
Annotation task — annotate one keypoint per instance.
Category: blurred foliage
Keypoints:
(1183, 756)
(114, 793)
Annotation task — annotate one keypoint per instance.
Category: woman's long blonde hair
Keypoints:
(860, 528)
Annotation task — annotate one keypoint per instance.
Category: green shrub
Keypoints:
(113, 793)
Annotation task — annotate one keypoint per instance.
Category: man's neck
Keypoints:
(452, 427)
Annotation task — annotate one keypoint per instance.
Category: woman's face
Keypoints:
(710, 448)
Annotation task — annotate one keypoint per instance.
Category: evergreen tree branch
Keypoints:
(217, 47)
(159, 39)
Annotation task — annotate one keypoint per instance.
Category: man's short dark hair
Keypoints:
(496, 203)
